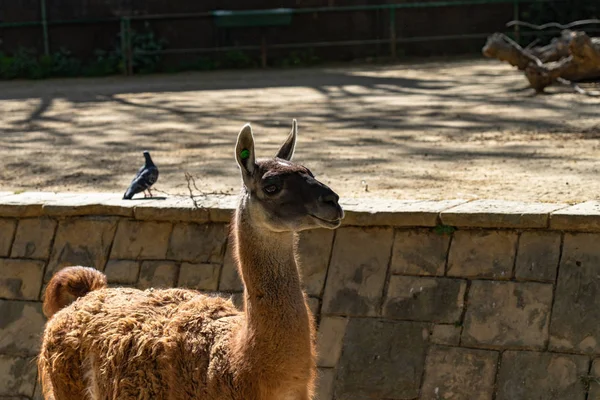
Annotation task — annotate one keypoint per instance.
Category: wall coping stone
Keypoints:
(371, 212)
(500, 214)
(578, 217)
(359, 211)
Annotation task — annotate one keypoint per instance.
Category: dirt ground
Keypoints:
(467, 129)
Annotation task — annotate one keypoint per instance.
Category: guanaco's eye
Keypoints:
(271, 189)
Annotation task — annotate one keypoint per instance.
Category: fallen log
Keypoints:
(558, 48)
(572, 57)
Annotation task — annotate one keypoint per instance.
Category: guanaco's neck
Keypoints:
(277, 321)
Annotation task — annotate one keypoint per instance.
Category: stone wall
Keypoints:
(414, 300)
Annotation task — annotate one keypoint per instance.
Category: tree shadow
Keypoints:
(90, 132)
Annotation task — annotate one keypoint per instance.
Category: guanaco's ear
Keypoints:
(244, 151)
(286, 152)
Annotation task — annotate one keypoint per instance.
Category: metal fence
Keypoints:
(279, 17)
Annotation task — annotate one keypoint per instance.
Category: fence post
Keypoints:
(393, 31)
(516, 18)
(45, 27)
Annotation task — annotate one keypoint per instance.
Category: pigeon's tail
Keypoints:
(68, 284)
(129, 194)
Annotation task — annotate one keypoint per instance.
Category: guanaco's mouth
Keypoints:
(328, 222)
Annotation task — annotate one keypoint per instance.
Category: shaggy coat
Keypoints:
(173, 344)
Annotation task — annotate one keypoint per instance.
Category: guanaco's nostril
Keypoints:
(330, 198)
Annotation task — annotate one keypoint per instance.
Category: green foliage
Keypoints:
(145, 58)
(28, 64)
(144, 45)
(300, 59)
(236, 59)
(14, 66)
(106, 63)
(62, 63)
(444, 230)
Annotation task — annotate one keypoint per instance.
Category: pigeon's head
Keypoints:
(280, 195)
(147, 157)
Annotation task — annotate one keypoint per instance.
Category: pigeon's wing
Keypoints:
(137, 175)
(150, 175)
(147, 178)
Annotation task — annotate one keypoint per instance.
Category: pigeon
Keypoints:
(144, 179)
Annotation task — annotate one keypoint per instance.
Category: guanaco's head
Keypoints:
(281, 195)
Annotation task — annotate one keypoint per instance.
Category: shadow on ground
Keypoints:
(419, 131)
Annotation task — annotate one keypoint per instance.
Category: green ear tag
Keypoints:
(244, 154)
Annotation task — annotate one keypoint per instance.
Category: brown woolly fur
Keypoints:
(69, 284)
(179, 344)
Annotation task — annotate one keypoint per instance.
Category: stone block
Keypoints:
(221, 207)
(446, 334)
(507, 315)
(21, 279)
(325, 381)
(34, 238)
(499, 214)
(537, 257)
(157, 274)
(419, 252)
(425, 299)
(203, 277)
(81, 241)
(198, 243)
(576, 312)
(330, 339)
(385, 212)
(140, 240)
(18, 376)
(381, 359)
(26, 204)
(526, 375)
(357, 271)
(21, 327)
(314, 250)
(482, 254)
(578, 217)
(122, 272)
(76, 204)
(175, 208)
(459, 374)
(7, 233)
(230, 278)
